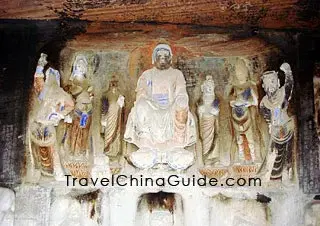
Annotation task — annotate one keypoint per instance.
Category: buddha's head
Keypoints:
(270, 82)
(162, 56)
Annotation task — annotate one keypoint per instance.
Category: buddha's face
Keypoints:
(163, 59)
(271, 84)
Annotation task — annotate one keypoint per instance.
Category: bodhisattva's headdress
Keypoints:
(160, 47)
(52, 75)
(269, 74)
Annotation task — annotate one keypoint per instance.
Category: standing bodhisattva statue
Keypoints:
(208, 113)
(160, 122)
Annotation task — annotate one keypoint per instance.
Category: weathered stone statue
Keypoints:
(7, 207)
(243, 100)
(160, 122)
(77, 136)
(53, 104)
(274, 107)
(208, 113)
(67, 210)
(111, 122)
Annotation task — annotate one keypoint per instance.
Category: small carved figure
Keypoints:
(160, 118)
(274, 107)
(7, 207)
(111, 122)
(243, 101)
(69, 210)
(208, 116)
(77, 135)
(53, 105)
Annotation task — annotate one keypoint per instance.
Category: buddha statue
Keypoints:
(160, 123)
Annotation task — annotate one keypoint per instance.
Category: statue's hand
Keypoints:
(120, 101)
(214, 111)
(285, 67)
(68, 119)
(239, 103)
(153, 104)
(43, 60)
(103, 123)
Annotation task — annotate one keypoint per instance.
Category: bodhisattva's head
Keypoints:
(162, 56)
(241, 71)
(270, 82)
(208, 87)
(78, 77)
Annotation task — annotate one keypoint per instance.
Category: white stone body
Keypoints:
(154, 124)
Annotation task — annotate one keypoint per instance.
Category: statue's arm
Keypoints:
(265, 112)
(254, 95)
(143, 85)
(288, 85)
(181, 95)
(39, 75)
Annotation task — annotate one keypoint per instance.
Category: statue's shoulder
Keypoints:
(264, 101)
(146, 74)
(177, 71)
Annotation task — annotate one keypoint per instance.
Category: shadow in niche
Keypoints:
(160, 209)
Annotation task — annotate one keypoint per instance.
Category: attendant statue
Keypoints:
(111, 122)
(77, 134)
(208, 116)
(243, 100)
(274, 107)
(160, 122)
(53, 104)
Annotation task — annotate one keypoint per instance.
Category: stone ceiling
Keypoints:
(275, 14)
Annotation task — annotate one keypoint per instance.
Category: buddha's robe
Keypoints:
(160, 117)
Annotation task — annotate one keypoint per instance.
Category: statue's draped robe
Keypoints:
(111, 114)
(244, 122)
(78, 133)
(154, 120)
(208, 123)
